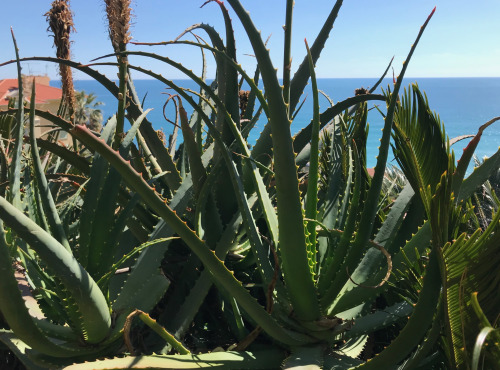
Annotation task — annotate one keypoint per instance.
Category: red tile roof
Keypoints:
(44, 93)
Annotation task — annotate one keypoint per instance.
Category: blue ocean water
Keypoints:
(463, 104)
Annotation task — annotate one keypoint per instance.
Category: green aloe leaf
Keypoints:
(301, 77)
(16, 314)
(287, 51)
(95, 320)
(14, 194)
(296, 272)
(310, 357)
(88, 225)
(198, 171)
(311, 201)
(225, 360)
(464, 161)
(46, 197)
(67, 155)
(191, 305)
(301, 139)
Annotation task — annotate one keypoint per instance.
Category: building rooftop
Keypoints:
(44, 93)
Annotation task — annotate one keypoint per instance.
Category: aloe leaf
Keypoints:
(366, 223)
(230, 76)
(101, 251)
(332, 279)
(68, 155)
(252, 96)
(129, 137)
(287, 51)
(98, 175)
(190, 307)
(332, 201)
(33, 200)
(96, 320)
(225, 360)
(379, 81)
(379, 319)
(56, 331)
(245, 131)
(267, 207)
(3, 156)
(296, 272)
(142, 291)
(129, 255)
(301, 139)
(354, 347)
(195, 121)
(14, 194)
(15, 311)
(46, 197)
(132, 294)
(216, 267)
(478, 176)
(148, 155)
(464, 161)
(207, 217)
(310, 357)
(211, 32)
(194, 156)
(20, 349)
(301, 77)
(373, 259)
(337, 361)
(311, 202)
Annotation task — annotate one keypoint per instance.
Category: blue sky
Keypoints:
(462, 39)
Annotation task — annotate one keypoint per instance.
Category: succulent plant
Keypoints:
(297, 261)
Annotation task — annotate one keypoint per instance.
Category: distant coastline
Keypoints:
(463, 104)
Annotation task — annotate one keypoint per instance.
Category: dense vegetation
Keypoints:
(284, 254)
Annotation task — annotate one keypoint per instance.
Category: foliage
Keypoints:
(87, 112)
(485, 199)
(285, 249)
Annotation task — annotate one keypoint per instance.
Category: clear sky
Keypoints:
(462, 39)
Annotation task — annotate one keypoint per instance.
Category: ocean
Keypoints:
(463, 104)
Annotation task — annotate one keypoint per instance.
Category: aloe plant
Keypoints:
(71, 273)
(301, 266)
